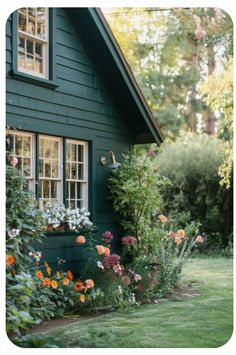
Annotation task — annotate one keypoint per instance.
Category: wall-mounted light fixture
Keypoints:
(114, 164)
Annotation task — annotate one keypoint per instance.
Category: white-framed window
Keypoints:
(59, 176)
(21, 146)
(76, 174)
(50, 171)
(33, 41)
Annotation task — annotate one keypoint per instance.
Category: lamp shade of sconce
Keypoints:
(114, 164)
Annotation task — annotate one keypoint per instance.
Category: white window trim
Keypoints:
(31, 178)
(60, 171)
(85, 163)
(45, 56)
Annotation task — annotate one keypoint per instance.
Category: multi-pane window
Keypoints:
(20, 146)
(76, 173)
(50, 169)
(33, 40)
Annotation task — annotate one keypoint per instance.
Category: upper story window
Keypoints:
(33, 41)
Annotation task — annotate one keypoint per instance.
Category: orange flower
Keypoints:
(199, 239)
(162, 218)
(178, 240)
(107, 251)
(181, 233)
(49, 271)
(46, 282)
(82, 298)
(80, 239)
(65, 281)
(10, 260)
(89, 283)
(46, 264)
(100, 249)
(39, 275)
(70, 275)
(58, 275)
(54, 284)
(78, 286)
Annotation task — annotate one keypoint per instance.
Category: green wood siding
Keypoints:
(80, 107)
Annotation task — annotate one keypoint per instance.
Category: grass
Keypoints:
(204, 321)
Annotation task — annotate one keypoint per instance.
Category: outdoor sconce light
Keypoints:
(114, 164)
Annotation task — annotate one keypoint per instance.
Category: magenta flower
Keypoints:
(107, 237)
(136, 277)
(110, 261)
(14, 233)
(129, 240)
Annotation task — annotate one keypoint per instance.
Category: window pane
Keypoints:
(46, 189)
(80, 153)
(79, 191)
(21, 60)
(72, 205)
(31, 27)
(73, 171)
(67, 151)
(47, 172)
(10, 143)
(22, 21)
(18, 148)
(21, 44)
(72, 190)
(67, 170)
(40, 188)
(19, 164)
(41, 168)
(26, 169)
(47, 148)
(30, 62)
(80, 171)
(26, 146)
(38, 65)
(41, 22)
(30, 47)
(38, 49)
(31, 12)
(41, 144)
(73, 152)
(53, 189)
(55, 150)
(54, 169)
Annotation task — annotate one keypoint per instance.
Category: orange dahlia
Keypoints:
(78, 286)
(89, 283)
(178, 240)
(80, 239)
(70, 275)
(82, 298)
(107, 251)
(162, 218)
(65, 281)
(100, 249)
(46, 282)
(54, 284)
(39, 274)
(10, 260)
(199, 239)
(58, 274)
(181, 233)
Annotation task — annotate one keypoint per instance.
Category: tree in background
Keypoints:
(170, 51)
(217, 92)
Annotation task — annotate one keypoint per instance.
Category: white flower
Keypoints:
(100, 265)
(14, 233)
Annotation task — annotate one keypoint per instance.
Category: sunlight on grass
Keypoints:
(202, 321)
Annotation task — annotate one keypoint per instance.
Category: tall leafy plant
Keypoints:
(134, 188)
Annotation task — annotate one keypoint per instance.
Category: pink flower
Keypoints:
(107, 236)
(129, 240)
(14, 161)
(117, 269)
(136, 277)
(110, 261)
(199, 239)
(126, 280)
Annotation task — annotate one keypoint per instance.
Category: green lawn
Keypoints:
(203, 321)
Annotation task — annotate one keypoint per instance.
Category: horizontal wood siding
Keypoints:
(80, 107)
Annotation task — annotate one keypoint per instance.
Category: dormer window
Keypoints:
(33, 41)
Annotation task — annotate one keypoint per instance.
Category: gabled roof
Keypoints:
(104, 50)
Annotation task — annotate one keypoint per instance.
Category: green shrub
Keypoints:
(134, 188)
(191, 163)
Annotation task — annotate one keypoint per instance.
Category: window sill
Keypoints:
(51, 84)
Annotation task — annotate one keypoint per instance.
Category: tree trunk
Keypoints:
(210, 117)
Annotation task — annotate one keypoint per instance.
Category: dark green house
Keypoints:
(71, 100)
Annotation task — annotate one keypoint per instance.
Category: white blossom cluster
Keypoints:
(56, 214)
(78, 219)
